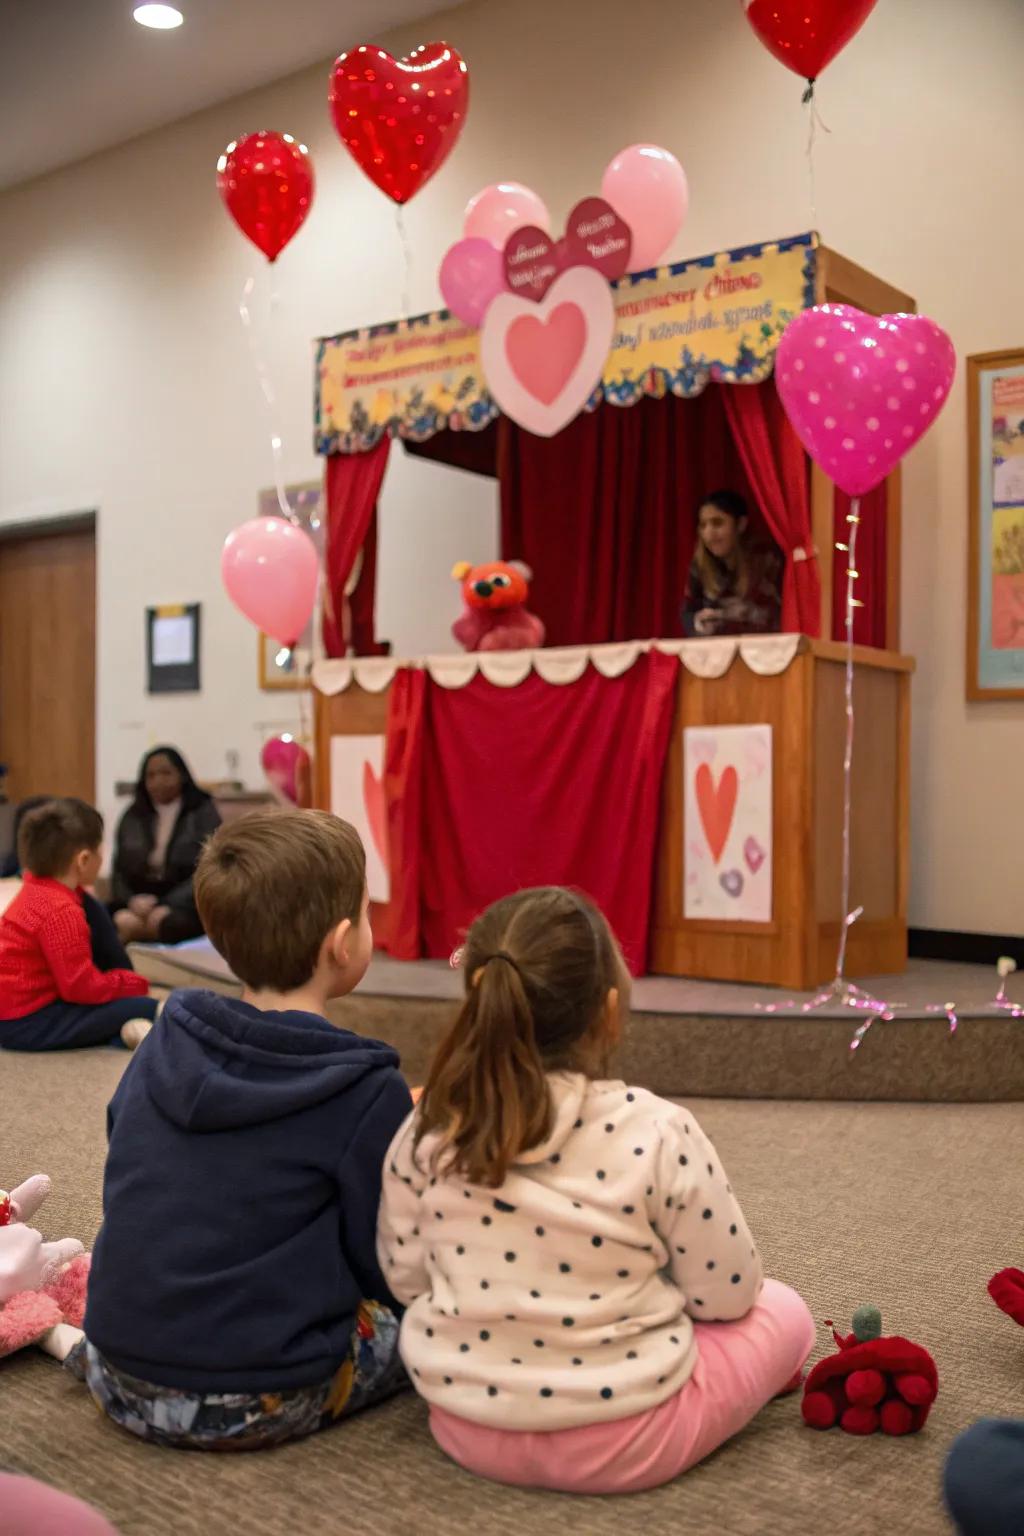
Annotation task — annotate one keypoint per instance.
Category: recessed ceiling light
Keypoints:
(161, 17)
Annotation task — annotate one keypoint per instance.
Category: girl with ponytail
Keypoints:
(569, 1247)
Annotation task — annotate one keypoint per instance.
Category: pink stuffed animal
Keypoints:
(42, 1285)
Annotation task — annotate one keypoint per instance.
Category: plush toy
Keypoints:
(872, 1382)
(42, 1285)
(1007, 1291)
(496, 617)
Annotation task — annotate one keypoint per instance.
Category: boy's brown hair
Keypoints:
(270, 887)
(50, 836)
(539, 967)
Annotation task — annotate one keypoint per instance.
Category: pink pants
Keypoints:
(740, 1367)
(28, 1508)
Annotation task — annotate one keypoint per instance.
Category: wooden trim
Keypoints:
(845, 282)
(726, 925)
(863, 655)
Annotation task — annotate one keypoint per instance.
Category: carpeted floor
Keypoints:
(912, 1207)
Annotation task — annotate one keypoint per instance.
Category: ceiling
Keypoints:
(77, 76)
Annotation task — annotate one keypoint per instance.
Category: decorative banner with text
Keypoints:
(717, 319)
(727, 823)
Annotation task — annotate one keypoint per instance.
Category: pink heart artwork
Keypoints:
(532, 262)
(543, 361)
(754, 854)
(597, 237)
(376, 811)
(861, 389)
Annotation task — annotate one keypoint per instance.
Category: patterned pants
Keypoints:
(251, 1421)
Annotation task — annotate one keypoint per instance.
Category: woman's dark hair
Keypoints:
(191, 794)
(712, 572)
(539, 966)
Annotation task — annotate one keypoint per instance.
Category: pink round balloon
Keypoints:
(281, 759)
(861, 389)
(498, 211)
(270, 571)
(647, 187)
(472, 274)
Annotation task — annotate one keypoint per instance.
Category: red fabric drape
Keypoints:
(492, 789)
(352, 484)
(777, 472)
(872, 585)
(604, 512)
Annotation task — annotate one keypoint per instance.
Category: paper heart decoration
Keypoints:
(717, 805)
(532, 262)
(754, 854)
(597, 237)
(861, 389)
(376, 811)
(731, 882)
(399, 118)
(543, 361)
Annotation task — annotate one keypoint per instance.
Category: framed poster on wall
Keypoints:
(995, 594)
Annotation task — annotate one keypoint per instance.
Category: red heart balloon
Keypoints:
(807, 34)
(595, 236)
(266, 183)
(532, 262)
(399, 118)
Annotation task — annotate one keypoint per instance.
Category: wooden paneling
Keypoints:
(48, 664)
(351, 713)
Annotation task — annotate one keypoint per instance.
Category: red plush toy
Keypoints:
(1007, 1291)
(872, 1382)
(496, 617)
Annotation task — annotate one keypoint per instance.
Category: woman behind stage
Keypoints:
(159, 840)
(734, 585)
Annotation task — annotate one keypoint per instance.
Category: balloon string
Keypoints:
(849, 918)
(815, 122)
(266, 384)
(403, 235)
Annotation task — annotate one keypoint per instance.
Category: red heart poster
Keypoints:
(727, 816)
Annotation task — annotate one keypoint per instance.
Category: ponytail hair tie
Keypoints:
(499, 954)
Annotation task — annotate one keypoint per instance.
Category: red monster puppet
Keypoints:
(496, 617)
(871, 1383)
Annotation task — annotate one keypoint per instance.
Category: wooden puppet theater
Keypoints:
(487, 772)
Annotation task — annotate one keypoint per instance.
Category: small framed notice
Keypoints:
(172, 648)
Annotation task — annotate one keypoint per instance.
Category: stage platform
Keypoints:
(715, 1040)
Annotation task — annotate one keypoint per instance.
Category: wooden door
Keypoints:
(48, 663)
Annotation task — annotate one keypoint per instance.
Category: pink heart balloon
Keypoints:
(532, 261)
(861, 389)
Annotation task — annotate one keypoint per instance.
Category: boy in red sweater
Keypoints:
(62, 983)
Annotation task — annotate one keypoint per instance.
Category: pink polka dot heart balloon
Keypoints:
(861, 389)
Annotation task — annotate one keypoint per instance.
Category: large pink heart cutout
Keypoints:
(542, 361)
(861, 389)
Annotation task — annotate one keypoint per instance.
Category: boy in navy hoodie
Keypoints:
(235, 1299)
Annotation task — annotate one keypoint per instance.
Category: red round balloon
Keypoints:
(399, 118)
(266, 183)
(807, 34)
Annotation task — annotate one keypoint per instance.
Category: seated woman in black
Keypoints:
(159, 840)
(734, 585)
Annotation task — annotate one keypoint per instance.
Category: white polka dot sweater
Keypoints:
(566, 1296)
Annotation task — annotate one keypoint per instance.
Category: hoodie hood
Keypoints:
(567, 1090)
(215, 1063)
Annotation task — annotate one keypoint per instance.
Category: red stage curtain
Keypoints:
(604, 512)
(492, 789)
(872, 586)
(353, 482)
(777, 472)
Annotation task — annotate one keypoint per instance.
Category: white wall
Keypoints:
(125, 382)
